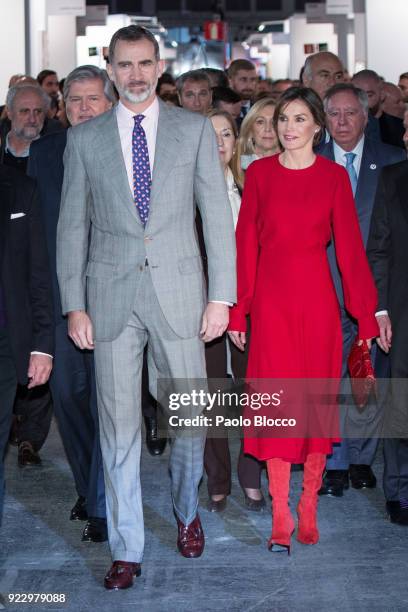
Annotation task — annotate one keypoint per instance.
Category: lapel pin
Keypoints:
(373, 166)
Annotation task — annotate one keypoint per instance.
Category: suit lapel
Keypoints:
(368, 175)
(167, 136)
(108, 143)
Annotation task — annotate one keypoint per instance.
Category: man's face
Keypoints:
(86, 99)
(373, 90)
(403, 85)
(244, 83)
(167, 88)
(346, 119)
(135, 70)
(27, 115)
(326, 71)
(50, 85)
(393, 101)
(233, 108)
(196, 96)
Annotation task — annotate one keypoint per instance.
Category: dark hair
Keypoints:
(239, 64)
(404, 75)
(367, 74)
(217, 77)
(44, 74)
(225, 94)
(133, 33)
(164, 79)
(310, 99)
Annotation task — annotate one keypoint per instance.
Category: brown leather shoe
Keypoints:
(190, 541)
(27, 455)
(121, 575)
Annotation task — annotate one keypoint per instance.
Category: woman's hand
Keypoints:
(238, 338)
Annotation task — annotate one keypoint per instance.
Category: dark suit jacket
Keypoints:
(46, 166)
(375, 156)
(387, 251)
(388, 129)
(24, 270)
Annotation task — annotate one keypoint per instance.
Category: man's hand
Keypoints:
(238, 338)
(215, 321)
(39, 370)
(384, 340)
(80, 329)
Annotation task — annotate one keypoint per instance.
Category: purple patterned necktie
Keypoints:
(141, 169)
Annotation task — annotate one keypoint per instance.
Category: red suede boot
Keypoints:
(308, 532)
(283, 524)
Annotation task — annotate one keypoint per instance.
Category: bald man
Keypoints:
(322, 71)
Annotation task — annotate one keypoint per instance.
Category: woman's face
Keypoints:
(225, 138)
(296, 126)
(263, 132)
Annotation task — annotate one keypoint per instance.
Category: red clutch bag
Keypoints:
(361, 373)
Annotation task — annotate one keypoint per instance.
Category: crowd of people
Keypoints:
(213, 226)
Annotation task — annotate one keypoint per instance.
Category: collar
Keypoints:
(9, 148)
(339, 153)
(125, 115)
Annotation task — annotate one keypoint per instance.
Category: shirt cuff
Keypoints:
(40, 353)
(221, 302)
(381, 312)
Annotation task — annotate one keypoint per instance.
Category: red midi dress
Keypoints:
(286, 221)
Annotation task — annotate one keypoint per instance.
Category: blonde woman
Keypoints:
(257, 138)
(217, 458)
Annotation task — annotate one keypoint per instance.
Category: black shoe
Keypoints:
(255, 505)
(217, 506)
(334, 483)
(398, 511)
(95, 530)
(27, 455)
(78, 512)
(362, 477)
(155, 445)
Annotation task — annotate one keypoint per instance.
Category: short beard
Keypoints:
(22, 135)
(133, 97)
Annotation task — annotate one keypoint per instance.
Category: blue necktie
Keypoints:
(351, 170)
(141, 169)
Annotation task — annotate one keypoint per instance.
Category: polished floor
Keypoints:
(360, 563)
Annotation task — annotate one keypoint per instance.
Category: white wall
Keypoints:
(61, 48)
(302, 33)
(387, 40)
(12, 42)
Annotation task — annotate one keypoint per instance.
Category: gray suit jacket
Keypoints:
(102, 245)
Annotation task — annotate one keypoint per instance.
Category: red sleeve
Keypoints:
(360, 293)
(247, 251)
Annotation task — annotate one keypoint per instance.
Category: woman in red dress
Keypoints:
(292, 204)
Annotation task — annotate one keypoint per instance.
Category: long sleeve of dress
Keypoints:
(247, 251)
(360, 294)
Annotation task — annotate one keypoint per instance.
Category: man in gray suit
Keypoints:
(130, 273)
(347, 113)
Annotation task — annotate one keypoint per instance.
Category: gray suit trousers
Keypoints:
(118, 366)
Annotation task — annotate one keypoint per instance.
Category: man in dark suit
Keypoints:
(388, 256)
(26, 315)
(347, 113)
(87, 93)
(381, 125)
